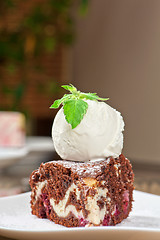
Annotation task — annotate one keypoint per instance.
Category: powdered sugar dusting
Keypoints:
(90, 168)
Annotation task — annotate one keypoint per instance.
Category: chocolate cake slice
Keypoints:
(78, 194)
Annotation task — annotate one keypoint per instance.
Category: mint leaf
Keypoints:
(92, 96)
(74, 111)
(70, 88)
(74, 105)
(58, 102)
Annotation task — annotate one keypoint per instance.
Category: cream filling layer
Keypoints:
(95, 216)
(61, 210)
(39, 187)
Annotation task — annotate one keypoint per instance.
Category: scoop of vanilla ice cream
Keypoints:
(99, 134)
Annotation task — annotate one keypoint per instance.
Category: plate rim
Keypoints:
(82, 229)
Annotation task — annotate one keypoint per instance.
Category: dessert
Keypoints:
(12, 129)
(93, 184)
(83, 194)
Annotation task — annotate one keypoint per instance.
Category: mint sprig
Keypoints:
(74, 105)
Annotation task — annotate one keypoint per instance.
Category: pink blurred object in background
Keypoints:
(12, 129)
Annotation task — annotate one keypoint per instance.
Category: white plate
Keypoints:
(33, 145)
(17, 222)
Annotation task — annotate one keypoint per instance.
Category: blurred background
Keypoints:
(110, 47)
